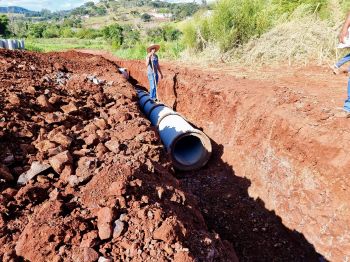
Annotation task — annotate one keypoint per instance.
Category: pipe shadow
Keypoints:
(256, 233)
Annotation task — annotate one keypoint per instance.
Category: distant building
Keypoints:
(157, 15)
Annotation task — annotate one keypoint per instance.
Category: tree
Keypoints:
(4, 23)
(51, 32)
(114, 33)
(130, 36)
(36, 30)
(89, 4)
(18, 28)
(99, 11)
(45, 13)
(170, 33)
(181, 11)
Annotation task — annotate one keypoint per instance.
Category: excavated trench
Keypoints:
(270, 188)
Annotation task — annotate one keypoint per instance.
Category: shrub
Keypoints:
(234, 22)
(88, 33)
(114, 33)
(36, 30)
(4, 23)
(18, 28)
(181, 11)
(231, 24)
(289, 6)
(131, 36)
(51, 32)
(170, 33)
(67, 32)
(189, 35)
(146, 17)
(154, 34)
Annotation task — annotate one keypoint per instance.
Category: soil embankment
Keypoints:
(94, 181)
(278, 183)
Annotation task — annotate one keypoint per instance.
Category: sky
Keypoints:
(37, 5)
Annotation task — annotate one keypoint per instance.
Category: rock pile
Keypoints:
(83, 175)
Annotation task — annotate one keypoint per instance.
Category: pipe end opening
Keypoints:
(191, 151)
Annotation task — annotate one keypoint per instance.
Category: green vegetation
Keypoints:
(289, 6)
(228, 30)
(146, 17)
(169, 50)
(60, 44)
(262, 31)
(124, 27)
(4, 22)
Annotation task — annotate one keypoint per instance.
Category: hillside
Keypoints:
(15, 10)
(96, 15)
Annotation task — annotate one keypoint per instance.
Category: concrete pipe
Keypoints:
(10, 44)
(21, 44)
(6, 46)
(189, 148)
(15, 44)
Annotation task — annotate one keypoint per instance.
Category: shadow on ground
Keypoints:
(256, 233)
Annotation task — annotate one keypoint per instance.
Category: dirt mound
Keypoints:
(83, 175)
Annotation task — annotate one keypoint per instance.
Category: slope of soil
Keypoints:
(95, 183)
(277, 186)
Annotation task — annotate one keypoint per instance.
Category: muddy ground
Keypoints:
(83, 175)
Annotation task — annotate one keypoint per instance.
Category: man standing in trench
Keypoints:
(153, 68)
(344, 33)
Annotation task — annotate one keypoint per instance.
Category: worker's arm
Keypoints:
(344, 31)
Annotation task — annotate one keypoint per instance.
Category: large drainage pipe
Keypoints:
(189, 148)
(12, 44)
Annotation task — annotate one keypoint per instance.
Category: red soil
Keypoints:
(102, 187)
(277, 187)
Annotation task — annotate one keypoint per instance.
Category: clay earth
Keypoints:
(96, 184)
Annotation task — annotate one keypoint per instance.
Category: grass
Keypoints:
(169, 50)
(98, 21)
(306, 35)
(301, 40)
(61, 44)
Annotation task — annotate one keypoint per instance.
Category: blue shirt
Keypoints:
(154, 61)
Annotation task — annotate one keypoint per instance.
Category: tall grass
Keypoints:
(231, 24)
(266, 31)
(234, 22)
